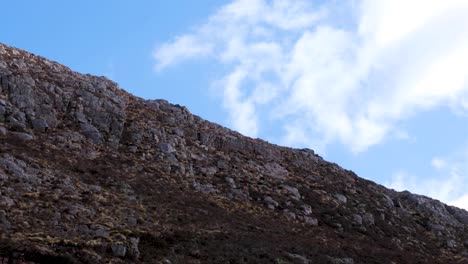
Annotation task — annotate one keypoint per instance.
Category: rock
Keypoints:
(368, 219)
(436, 227)
(101, 233)
(119, 249)
(289, 214)
(230, 182)
(293, 191)
(276, 171)
(204, 188)
(310, 220)
(133, 251)
(3, 131)
(91, 132)
(132, 221)
(297, 259)
(209, 171)
(357, 219)
(221, 165)
(387, 201)
(11, 165)
(307, 209)
(166, 148)
(272, 204)
(340, 260)
(6, 201)
(21, 136)
(451, 244)
(39, 125)
(239, 195)
(4, 223)
(341, 198)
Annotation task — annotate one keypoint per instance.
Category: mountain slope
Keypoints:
(92, 174)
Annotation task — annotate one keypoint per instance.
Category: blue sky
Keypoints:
(379, 87)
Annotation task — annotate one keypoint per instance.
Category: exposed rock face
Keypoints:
(92, 174)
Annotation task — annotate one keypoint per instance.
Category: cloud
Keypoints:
(183, 47)
(332, 72)
(449, 183)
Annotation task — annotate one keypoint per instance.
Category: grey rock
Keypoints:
(101, 233)
(239, 195)
(4, 223)
(6, 201)
(39, 125)
(166, 148)
(21, 136)
(310, 220)
(340, 260)
(387, 201)
(357, 219)
(204, 188)
(307, 209)
(91, 132)
(368, 219)
(270, 202)
(221, 164)
(133, 250)
(132, 221)
(230, 182)
(293, 191)
(341, 198)
(297, 259)
(3, 131)
(436, 227)
(3, 176)
(289, 214)
(451, 243)
(119, 249)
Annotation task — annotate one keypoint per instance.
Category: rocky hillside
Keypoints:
(92, 174)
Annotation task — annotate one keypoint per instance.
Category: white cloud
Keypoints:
(438, 163)
(182, 48)
(449, 183)
(327, 77)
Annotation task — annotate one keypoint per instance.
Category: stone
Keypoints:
(340, 260)
(221, 164)
(310, 220)
(39, 125)
(21, 136)
(166, 148)
(204, 188)
(293, 191)
(341, 198)
(91, 132)
(297, 259)
(270, 202)
(101, 233)
(4, 223)
(6, 201)
(132, 221)
(119, 249)
(368, 219)
(357, 219)
(239, 195)
(230, 182)
(307, 209)
(133, 251)
(3, 131)
(289, 214)
(451, 243)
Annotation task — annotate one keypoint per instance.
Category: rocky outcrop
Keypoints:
(92, 174)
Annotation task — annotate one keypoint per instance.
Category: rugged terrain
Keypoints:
(91, 174)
